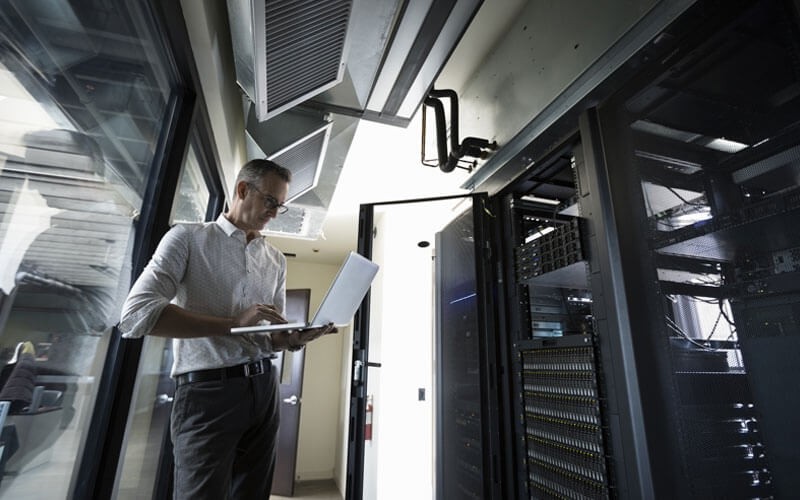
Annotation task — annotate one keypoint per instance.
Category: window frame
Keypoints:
(188, 122)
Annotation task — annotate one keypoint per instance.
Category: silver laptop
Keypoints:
(340, 303)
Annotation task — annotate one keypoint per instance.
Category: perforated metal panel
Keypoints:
(305, 43)
(287, 51)
(304, 159)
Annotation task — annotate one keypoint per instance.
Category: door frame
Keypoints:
(360, 362)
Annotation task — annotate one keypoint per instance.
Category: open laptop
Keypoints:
(340, 303)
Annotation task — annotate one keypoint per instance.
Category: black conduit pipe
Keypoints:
(450, 94)
(441, 132)
(472, 146)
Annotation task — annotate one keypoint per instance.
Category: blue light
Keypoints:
(463, 298)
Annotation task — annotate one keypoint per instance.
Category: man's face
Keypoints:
(261, 202)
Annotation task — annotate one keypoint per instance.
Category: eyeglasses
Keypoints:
(270, 202)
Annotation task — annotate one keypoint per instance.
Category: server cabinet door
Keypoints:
(421, 418)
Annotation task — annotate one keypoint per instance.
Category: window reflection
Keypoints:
(191, 200)
(152, 402)
(83, 92)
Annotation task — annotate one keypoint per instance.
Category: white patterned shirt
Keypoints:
(208, 268)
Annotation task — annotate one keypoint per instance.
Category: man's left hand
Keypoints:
(295, 339)
(307, 335)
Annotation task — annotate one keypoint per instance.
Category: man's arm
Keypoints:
(157, 285)
(177, 322)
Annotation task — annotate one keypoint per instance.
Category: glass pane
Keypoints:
(402, 390)
(152, 402)
(191, 200)
(82, 102)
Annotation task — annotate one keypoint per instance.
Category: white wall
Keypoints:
(322, 400)
(549, 45)
(207, 25)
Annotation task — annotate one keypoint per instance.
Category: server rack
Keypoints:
(651, 273)
(469, 456)
(562, 448)
(700, 154)
(648, 294)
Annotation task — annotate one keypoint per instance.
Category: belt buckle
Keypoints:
(253, 369)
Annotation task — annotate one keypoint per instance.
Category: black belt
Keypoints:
(244, 370)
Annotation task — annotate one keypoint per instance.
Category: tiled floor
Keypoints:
(316, 490)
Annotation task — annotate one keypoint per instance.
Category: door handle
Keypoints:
(163, 398)
(292, 400)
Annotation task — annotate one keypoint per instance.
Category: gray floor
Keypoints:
(317, 490)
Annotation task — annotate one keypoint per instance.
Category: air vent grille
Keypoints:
(304, 159)
(292, 223)
(305, 43)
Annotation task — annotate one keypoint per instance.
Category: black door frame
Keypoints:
(360, 362)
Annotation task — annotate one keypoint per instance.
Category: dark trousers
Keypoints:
(224, 434)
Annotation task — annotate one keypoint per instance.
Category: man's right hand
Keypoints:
(256, 313)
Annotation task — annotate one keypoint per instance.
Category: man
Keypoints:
(202, 280)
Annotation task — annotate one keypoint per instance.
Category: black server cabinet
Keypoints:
(562, 447)
(651, 273)
(642, 339)
(468, 417)
(460, 407)
(701, 155)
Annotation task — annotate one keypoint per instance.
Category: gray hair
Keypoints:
(254, 170)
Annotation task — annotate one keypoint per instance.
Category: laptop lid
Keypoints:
(341, 300)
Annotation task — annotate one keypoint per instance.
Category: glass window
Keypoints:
(152, 403)
(192, 198)
(83, 92)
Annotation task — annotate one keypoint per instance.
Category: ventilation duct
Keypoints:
(287, 52)
(396, 50)
(314, 148)
(307, 212)
(296, 139)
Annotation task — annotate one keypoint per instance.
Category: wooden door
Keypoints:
(290, 371)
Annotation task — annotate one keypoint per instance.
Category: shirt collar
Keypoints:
(226, 225)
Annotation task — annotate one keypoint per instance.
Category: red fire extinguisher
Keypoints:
(368, 420)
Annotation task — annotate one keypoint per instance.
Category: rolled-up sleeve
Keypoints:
(157, 285)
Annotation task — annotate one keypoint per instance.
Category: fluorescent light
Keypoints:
(725, 145)
(536, 199)
(692, 217)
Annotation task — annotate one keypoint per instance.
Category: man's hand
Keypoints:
(259, 312)
(309, 334)
(295, 339)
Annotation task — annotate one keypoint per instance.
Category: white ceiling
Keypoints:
(383, 163)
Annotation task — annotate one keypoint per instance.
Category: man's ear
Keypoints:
(241, 189)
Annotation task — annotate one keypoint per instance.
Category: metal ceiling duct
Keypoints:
(287, 51)
(302, 140)
(299, 61)
(296, 139)
(397, 48)
(307, 212)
